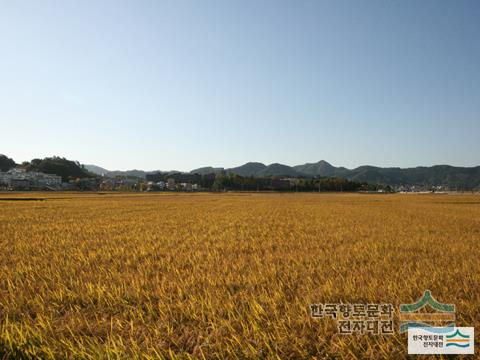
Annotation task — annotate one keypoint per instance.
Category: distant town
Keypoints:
(60, 174)
(19, 179)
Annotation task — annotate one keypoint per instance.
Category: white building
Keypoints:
(29, 179)
(171, 184)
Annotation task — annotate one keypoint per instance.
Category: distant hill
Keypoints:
(96, 169)
(104, 172)
(207, 170)
(6, 163)
(248, 169)
(279, 170)
(439, 175)
(67, 169)
(445, 175)
(129, 173)
(321, 168)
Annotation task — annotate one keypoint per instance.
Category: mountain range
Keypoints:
(98, 170)
(438, 175)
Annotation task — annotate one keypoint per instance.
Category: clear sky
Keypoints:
(183, 84)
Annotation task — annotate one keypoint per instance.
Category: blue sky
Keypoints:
(183, 84)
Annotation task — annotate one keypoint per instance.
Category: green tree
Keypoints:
(6, 163)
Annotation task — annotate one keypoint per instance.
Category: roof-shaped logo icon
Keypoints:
(411, 315)
(458, 339)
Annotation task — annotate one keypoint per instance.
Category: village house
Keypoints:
(19, 179)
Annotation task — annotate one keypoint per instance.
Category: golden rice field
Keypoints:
(184, 276)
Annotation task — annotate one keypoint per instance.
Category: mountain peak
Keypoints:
(324, 162)
(254, 163)
(320, 168)
(248, 169)
(207, 170)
